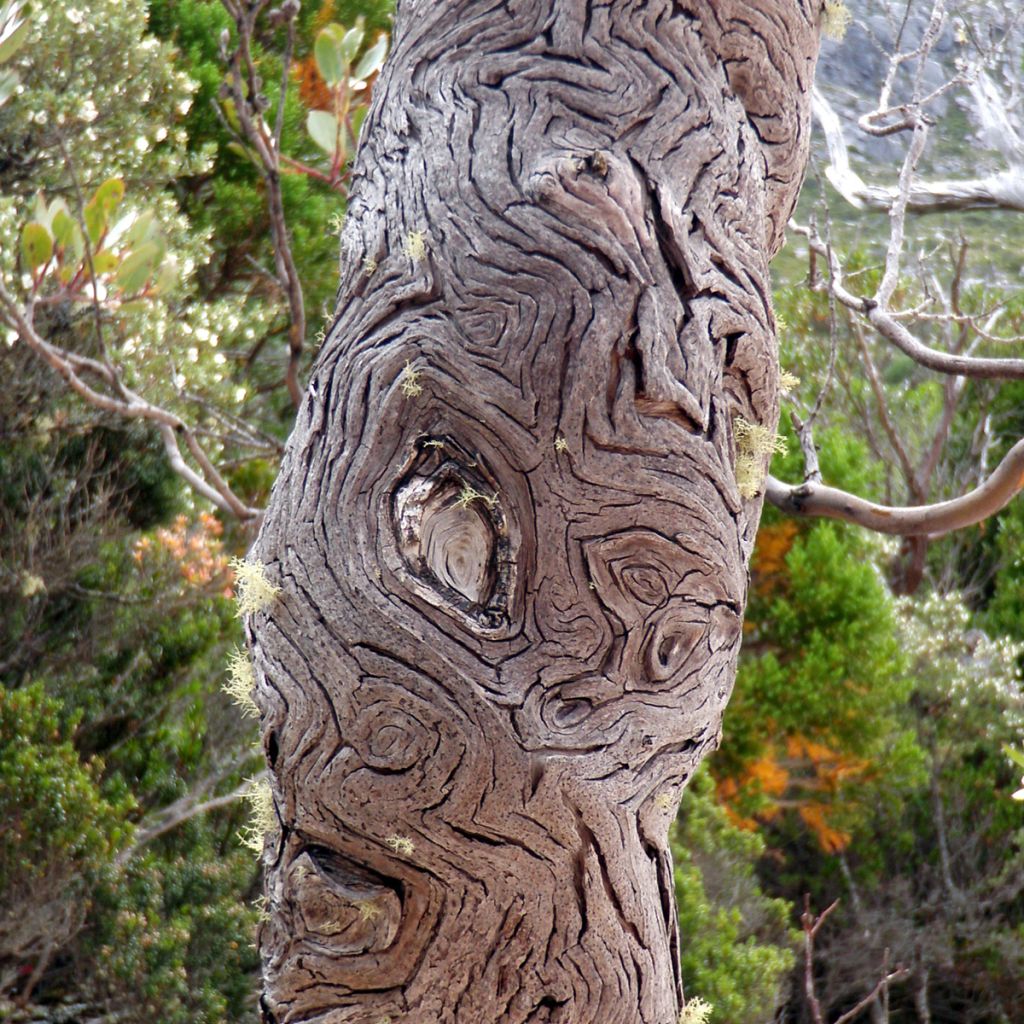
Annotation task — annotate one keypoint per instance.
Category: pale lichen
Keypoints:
(753, 439)
(369, 910)
(561, 445)
(240, 683)
(788, 382)
(409, 383)
(402, 845)
(262, 815)
(696, 1011)
(470, 494)
(835, 20)
(415, 246)
(369, 266)
(253, 591)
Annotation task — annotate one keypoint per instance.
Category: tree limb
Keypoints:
(811, 499)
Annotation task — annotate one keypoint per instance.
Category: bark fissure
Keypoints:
(507, 528)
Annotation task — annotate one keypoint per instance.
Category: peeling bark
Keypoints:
(507, 527)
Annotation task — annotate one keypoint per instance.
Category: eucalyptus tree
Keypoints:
(512, 524)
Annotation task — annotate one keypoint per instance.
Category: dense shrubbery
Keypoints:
(862, 754)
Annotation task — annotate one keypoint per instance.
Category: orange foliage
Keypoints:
(799, 773)
(313, 90)
(768, 563)
(195, 547)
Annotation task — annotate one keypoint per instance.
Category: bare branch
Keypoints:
(245, 86)
(811, 499)
(129, 405)
(888, 325)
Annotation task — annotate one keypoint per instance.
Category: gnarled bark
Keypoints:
(507, 527)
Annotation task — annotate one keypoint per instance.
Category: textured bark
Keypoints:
(507, 527)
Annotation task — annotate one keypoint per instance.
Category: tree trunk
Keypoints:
(507, 529)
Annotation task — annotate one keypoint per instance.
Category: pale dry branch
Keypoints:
(127, 404)
(812, 499)
(246, 90)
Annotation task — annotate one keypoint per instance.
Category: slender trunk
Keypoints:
(507, 528)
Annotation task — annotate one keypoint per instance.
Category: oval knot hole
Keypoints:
(457, 544)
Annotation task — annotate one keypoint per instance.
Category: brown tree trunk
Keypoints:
(507, 529)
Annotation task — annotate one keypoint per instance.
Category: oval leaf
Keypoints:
(327, 53)
(371, 61)
(143, 229)
(104, 261)
(63, 225)
(95, 221)
(350, 43)
(323, 129)
(36, 245)
(137, 268)
(109, 195)
(13, 40)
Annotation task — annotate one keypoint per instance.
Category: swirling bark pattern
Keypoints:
(507, 528)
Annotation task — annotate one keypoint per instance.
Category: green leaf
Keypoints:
(144, 229)
(63, 225)
(36, 245)
(167, 279)
(13, 39)
(350, 43)
(371, 61)
(101, 206)
(242, 151)
(323, 129)
(327, 52)
(138, 267)
(8, 83)
(1016, 756)
(95, 221)
(109, 195)
(104, 261)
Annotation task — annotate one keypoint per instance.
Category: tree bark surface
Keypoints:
(507, 529)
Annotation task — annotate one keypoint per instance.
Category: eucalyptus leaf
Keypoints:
(36, 245)
(109, 194)
(371, 61)
(104, 261)
(327, 53)
(351, 43)
(138, 267)
(144, 228)
(13, 40)
(323, 129)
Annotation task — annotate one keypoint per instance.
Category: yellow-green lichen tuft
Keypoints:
(696, 1011)
(835, 20)
(253, 591)
(402, 845)
(409, 383)
(561, 445)
(754, 447)
(469, 494)
(415, 246)
(753, 439)
(788, 382)
(240, 683)
(262, 816)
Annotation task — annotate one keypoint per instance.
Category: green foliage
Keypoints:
(736, 948)
(59, 829)
(171, 938)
